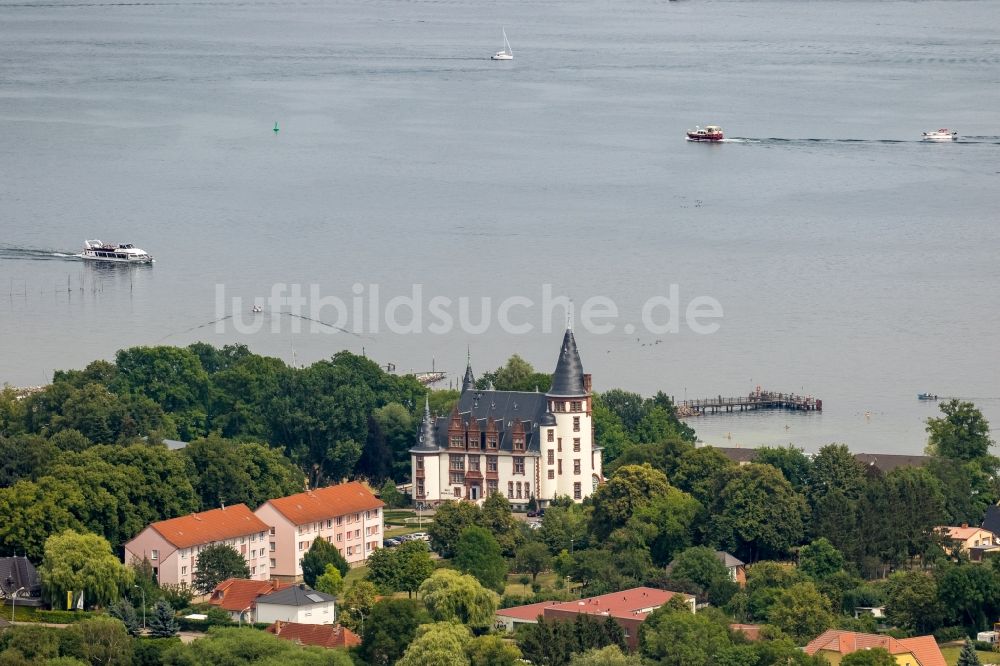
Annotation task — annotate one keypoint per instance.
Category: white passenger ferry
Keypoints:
(125, 253)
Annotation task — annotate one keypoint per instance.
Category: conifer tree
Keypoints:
(968, 657)
(125, 611)
(162, 623)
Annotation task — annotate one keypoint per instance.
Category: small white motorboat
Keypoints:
(125, 253)
(943, 134)
(709, 133)
(507, 53)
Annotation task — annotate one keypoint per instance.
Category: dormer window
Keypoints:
(518, 443)
(455, 441)
(491, 441)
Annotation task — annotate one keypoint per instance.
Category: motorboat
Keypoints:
(124, 253)
(506, 53)
(927, 396)
(707, 133)
(943, 134)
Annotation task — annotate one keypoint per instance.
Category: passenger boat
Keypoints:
(507, 53)
(124, 253)
(708, 133)
(926, 396)
(943, 134)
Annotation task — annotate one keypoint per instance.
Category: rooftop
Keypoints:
(959, 533)
(923, 648)
(296, 595)
(636, 602)
(237, 594)
(324, 503)
(209, 526)
(319, 635)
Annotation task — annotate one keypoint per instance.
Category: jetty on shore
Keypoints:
(758, 399)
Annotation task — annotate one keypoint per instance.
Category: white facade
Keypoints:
(522, 444)
(319, 613)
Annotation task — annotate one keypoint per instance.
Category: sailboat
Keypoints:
(506, 53)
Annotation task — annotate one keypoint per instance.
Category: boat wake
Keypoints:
(774, 140)
(14, 252)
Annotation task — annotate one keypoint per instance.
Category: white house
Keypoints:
(522, 444)
(298, 603)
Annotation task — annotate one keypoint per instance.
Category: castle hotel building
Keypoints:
(522, 444)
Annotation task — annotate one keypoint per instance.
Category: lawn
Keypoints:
(354, 575)
(547, 579)
(951, 656)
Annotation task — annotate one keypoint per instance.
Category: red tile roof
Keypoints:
(962, 533)
(321, 635)
(237, 594)
(923, 648)
(325, 503)
(636, 603)
(216, 525)
(751, 631)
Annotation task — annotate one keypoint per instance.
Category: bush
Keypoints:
(61, 616)
(946, 634)
(983, 646)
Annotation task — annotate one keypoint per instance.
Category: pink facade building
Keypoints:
(347, 515)
(172, 546)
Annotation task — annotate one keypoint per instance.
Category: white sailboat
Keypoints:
(506, 53)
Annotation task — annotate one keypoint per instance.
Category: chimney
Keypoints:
(964, 525)
(586, 383)
(302, 586)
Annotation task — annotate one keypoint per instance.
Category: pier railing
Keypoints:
(753, 401)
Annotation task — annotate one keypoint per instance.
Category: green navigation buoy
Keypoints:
(275, 126)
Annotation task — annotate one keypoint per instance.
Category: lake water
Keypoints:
(852, 261)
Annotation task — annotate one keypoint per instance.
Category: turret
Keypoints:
(469, 381)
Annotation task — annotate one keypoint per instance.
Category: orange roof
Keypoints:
(923, 648)
(636, 602)
(751, 631)
(324, 503)
(237, 594)
(321, 635)
(208, 526)
(960, 533)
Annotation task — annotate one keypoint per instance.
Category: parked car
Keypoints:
(389, 543)
(421, 536)
(536, 514)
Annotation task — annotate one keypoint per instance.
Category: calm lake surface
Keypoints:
(852, 261)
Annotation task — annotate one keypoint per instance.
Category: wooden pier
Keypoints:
(756, 400)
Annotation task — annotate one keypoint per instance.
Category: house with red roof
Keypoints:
(239, 596)
(346, 515)
(318, 635)
(834, 644)
(629, 608)
(172, 546)
(967, 538)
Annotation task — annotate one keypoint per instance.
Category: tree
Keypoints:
(680, 638)
(391, 496)
(82, 563)
(478, 553)
(173, 378)
(515, 375)
(124, 610)
(35, 511)
(162, 623)
(389, 629)
(383, 570)
(330, 582)
(834, 467)
(440, 643)
(664, 526)
(801, 611)
(912, 602)
(611, 655)
(790, 460)
(232, 472)
(533, 558)
(968, 656)
(961, 434)
(231, 646)
(970, 593)
(449, 521)
(320, 554)
(492, 651)
(563, 526)
(497, 518)
(356, 603)
(449, 595)
(102, 640)
(820, 559)
(215, 564)
(396, 427)
(554, 642)
(869, 657)
(630, 488)
(413, 565)
(700, 566)
(757, 514)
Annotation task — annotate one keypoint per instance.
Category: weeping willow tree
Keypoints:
(82, 562)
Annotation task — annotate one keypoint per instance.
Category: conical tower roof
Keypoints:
(469, 381)
(567, 380)
(426, 441)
